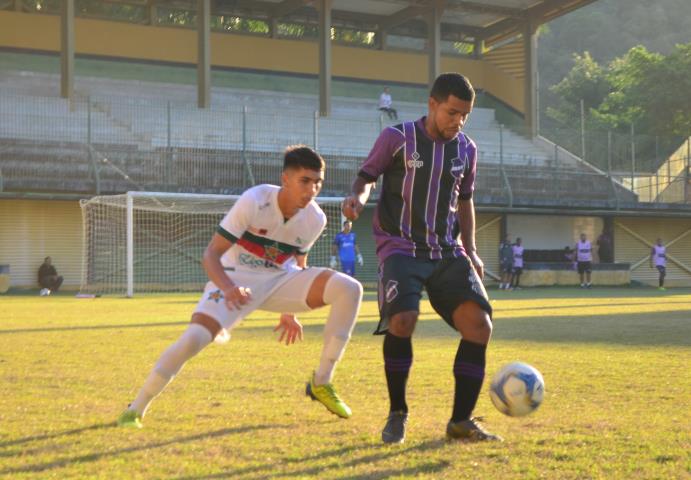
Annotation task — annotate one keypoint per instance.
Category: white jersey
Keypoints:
(385, 100)
(660, 255)
(262, 239)
(584, 251)
(517, 256)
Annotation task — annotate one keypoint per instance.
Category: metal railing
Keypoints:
(115, 144)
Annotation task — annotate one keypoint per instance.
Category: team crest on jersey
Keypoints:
(272, 252)
(457, 167)
(391, 290)
(215, 296)
(414, 161)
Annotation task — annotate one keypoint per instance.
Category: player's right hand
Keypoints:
(352, 207)
(237, 297)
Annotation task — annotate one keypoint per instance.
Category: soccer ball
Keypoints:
(517, 389)
(44, 292)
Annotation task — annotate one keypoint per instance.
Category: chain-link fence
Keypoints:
(655, 167)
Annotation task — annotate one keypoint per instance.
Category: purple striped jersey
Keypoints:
(423, 181)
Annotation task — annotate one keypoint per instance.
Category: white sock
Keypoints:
(344, 294)
(192, 341)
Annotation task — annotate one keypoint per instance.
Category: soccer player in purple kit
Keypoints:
(426, 200)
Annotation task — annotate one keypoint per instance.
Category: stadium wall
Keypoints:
(33, 229)
(179, 45)
(633, 238)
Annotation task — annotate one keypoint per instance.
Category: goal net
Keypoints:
(153, 242)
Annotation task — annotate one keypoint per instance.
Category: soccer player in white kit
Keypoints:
(584, 259)
(658, 256)
(257, 259)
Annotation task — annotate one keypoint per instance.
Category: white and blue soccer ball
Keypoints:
(517, 389)
(44, 292)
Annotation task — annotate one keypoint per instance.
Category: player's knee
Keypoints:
(473, 322)
(342, 286)
(403, 324)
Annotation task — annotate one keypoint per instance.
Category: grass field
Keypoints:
(616, 363)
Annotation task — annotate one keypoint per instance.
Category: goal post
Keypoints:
(153, 242)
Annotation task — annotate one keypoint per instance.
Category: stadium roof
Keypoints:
(490, 21)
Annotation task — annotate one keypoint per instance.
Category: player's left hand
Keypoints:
(477, 264)
(290, 328)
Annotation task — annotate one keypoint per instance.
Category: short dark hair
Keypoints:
(452, 84)
(302, 156)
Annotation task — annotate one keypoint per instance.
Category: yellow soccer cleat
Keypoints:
(130, 419)
(327, 396)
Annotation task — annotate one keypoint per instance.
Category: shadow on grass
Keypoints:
(596, 292)
(19, 441)
(589, 305)
(336, 459)
(91, 457)
(92, 327)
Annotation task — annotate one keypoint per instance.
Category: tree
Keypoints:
(586, 81)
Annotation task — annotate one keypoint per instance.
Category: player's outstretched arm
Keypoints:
(355, 202)
(234, 295)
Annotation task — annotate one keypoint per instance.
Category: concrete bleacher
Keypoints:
(151, 114)
(119, 135)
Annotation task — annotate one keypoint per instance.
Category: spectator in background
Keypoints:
(517, 250)
(584, 257)
(604, 243)
(505, 263)
(48, 277)
(570, 256)
(658, 257)
(385, 104)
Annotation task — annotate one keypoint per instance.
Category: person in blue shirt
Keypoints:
(348, 252)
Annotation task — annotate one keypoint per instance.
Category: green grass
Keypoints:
(615, 361)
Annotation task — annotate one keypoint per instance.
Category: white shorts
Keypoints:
(282, 292)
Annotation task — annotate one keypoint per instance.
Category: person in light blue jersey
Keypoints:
(345, 246)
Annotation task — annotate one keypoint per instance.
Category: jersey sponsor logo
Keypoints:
(263, 206)
(457, 167)
(215, 296)
(391, 290)
(254, 262)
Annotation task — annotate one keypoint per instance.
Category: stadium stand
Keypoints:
(119, 135)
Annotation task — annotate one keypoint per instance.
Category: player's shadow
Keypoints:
(93, 327)
(92, 457)
(338, 459)
(590, 305)
(48, 436)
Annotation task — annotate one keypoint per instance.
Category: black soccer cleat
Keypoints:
(394, 430)
(469, 430)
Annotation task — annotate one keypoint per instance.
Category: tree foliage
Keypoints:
(647, 89)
